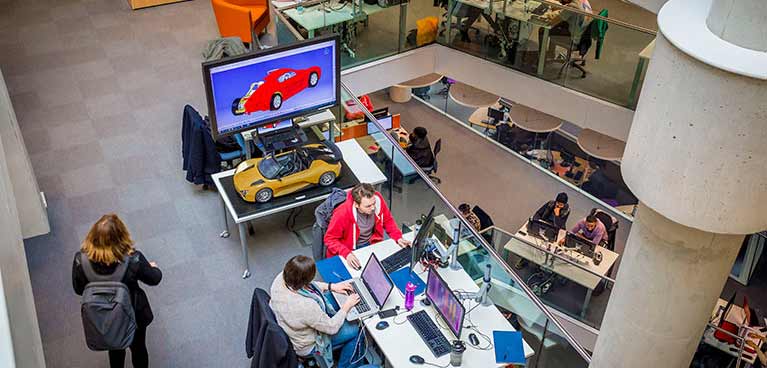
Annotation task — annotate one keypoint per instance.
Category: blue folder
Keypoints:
(333, 270)
(509, 348)
(401, 278)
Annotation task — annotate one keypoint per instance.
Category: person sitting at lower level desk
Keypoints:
(590, 229)
(313, 321)
(554, 212)
(420, 148)
(359, 222)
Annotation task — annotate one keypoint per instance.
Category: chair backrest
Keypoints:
(437, 147)
(484, 219)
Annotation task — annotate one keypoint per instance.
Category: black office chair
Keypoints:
(484, 222)
(431, 170)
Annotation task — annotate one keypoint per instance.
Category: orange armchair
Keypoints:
(241, 18)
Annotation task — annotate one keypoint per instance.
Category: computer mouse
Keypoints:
(382, 325)
(416, 359)
(473, 339)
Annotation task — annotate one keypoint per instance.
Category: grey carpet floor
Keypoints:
(98, 90)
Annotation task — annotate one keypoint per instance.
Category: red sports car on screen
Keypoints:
(278, 86)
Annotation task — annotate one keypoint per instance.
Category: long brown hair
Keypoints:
(108, 241)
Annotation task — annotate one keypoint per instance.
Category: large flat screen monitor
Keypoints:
(445, 302)
(267, 86)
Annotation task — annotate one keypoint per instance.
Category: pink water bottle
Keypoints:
(409, 295)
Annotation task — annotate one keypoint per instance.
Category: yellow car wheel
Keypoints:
(264, 195)
(327, 178)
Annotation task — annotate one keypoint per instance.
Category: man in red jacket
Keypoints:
(359, 222)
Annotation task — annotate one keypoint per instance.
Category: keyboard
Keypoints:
(397, 260)
(430, 334)
(362, 306)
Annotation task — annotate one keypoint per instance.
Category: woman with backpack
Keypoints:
(106, 272)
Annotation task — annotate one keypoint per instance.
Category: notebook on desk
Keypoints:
(509, 347)
(333, 270)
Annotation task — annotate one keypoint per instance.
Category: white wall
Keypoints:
(387, 72)
(30, 207)
(566, 104)
(16, 285)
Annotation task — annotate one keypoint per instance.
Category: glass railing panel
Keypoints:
(286, 32)
(368, 31)
(563, 278)
(422, 24)
(548, 40)
(557, 352)
(411, 194)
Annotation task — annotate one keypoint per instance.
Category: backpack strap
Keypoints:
(92, 276)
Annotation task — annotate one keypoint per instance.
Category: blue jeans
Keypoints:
(346, 339)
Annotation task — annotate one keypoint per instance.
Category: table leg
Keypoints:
(635, 84)
(225, 233)
(544, 48)
(244, 243)
(586, 303)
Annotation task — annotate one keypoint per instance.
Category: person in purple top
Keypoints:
(590, 229)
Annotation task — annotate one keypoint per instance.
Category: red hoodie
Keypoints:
(343, 232)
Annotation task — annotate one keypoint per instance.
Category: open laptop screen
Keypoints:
(376, 280)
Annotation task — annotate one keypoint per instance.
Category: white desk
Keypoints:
(567, 270)
(736, 316)
(356, 160)
(399, 341)
(320, 16)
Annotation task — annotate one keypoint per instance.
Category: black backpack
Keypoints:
(109, 320)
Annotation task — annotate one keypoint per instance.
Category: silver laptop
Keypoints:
(373, 287)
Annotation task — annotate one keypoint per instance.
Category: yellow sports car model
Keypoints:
(260, 179)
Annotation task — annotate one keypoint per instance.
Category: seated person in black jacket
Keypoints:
(554, 212)
(420, 148)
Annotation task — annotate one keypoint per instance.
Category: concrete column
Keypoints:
(670, 278)
(695, 159)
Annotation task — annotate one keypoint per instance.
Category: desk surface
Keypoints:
(357, 162)
(423, 81)
(315, 16)
(600, 146)
(559, 266)
(399, 341)
(481, 114)
(400, 162)
(533, 120)
(466, 95)
(315, 119)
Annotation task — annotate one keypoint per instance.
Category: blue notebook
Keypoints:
(403, 275)
(509, 348)
(333, 270)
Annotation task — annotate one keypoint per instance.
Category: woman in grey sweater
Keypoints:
(311, 318)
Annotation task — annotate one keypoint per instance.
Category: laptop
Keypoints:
(373, 287)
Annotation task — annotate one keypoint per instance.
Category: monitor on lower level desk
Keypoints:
(386, 123)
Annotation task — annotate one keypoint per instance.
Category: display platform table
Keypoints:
(586, 275)
(357, 168)
(399, 341)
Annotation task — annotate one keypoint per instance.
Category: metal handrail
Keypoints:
(491, 251)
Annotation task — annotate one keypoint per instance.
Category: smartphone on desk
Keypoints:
(388, 313)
